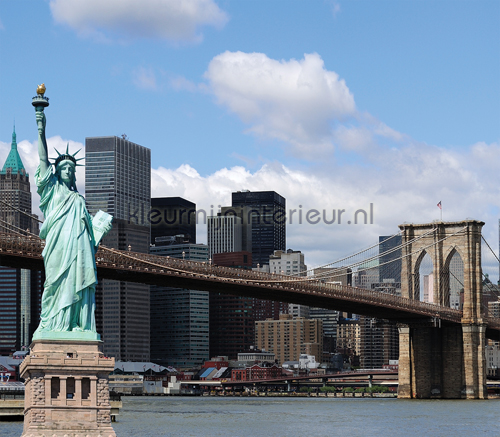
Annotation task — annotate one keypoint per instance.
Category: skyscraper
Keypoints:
(330, 319)
(19, 288)
(15, 191)
(379, 342)
(456, 274)
(171, 216)
(390, 258)
(231, 317)
(223, 234)
(232, 322)
(266, 213)
(267, 216)
(179, 317)
(229, 231)
(118, 181)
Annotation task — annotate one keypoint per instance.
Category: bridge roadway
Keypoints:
(26, 252)
(330, 377)
(350, 376)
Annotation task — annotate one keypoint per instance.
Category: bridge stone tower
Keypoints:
(438, 360)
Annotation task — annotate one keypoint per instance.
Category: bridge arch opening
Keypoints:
(425, 277)
(453, 279)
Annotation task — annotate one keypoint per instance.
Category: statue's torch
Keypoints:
(40, 102)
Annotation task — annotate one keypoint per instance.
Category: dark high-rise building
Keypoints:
(179, 317)
(171, 216)
(267, 216)
(330, 319)
(19, 288)
(118, 181)
(232, 321)
(390, 258)
(379, 342)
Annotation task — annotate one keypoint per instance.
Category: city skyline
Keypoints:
(396, 106)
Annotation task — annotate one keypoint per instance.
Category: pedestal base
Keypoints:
(67, 392)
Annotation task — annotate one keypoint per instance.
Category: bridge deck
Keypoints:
(26, 252)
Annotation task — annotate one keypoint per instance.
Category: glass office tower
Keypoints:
(266, 211)
(267, 214)
(118, 181)
(179, 317)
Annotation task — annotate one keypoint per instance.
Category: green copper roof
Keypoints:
(13, 160)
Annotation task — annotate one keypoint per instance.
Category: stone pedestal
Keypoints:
(67, 392)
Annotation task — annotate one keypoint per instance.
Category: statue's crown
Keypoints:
(67, 156)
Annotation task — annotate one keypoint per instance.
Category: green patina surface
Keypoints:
(67, 335)
(13, 161)
(68, 300)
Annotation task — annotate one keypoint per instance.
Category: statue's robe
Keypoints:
(68, 300)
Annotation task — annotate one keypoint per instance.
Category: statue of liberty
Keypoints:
(71, 240)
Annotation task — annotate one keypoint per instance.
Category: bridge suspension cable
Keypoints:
(17, 230)
(281, 279)
(492, 251)
(31, 216)
(491, 288)
(366, 261)
(344, 269)
(353, 255)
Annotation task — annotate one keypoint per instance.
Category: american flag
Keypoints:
(439, 205)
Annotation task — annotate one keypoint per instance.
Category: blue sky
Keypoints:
(334, 104)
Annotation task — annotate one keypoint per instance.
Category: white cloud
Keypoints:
(293, 101)
(174, 20)
(145, 78)
(353, 138)
(179, 83)
(403, 185)
(335, 8)
(487, 155)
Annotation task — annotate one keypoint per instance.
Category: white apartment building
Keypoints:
(291, 263)
(224, 234)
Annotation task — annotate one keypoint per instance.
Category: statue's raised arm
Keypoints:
(42, 142)
(40, 102)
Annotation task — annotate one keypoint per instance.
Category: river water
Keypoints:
(234, 417)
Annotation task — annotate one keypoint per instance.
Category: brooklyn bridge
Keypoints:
(441, 348)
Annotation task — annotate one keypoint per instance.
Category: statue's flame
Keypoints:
(40, 90)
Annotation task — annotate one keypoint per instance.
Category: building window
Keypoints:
(70, 388)
(85, 388)
(55, 387)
